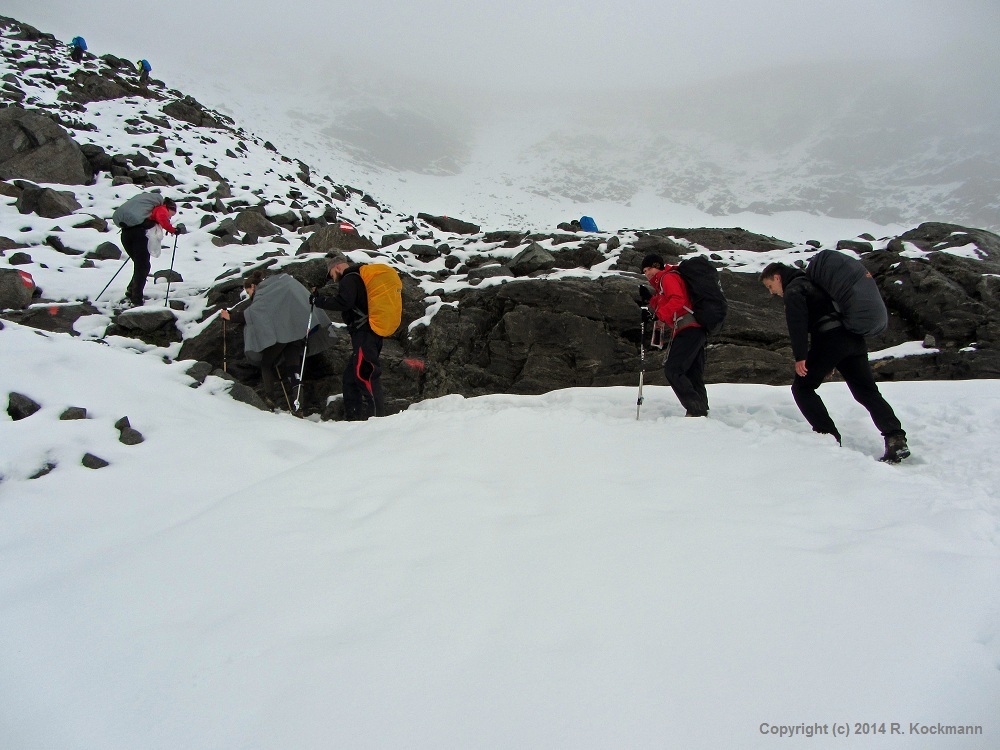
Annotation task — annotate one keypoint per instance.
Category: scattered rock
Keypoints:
(105, 251)
(46, 202)
(73, 412)
(93, 462)
(15, 290)
(20, 406)
(47, 468)
(127, 434)
(448, 224)
(532, 259)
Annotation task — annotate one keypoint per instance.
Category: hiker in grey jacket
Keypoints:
(275, 330)
(821, 344)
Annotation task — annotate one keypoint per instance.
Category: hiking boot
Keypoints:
(694, 413)
(896, 449)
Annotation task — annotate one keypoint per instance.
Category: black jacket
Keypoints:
(808, 310)
(351, 300)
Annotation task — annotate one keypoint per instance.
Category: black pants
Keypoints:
(848, 354)
(363, 376)
(685, 370)
(136, 245)
(280, 360)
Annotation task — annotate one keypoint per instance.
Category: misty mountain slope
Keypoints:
(887, 143)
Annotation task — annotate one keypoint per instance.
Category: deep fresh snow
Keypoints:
(503, 571)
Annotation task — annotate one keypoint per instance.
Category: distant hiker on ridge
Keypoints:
(276, 321)
(143, 219)
(820, 344)
(368, 298)
(144, 68)
(77, 47)
(670, 305)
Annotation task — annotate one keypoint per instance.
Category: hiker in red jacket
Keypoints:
(137, 244)
(685, 362)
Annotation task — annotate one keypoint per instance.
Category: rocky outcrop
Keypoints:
(33, 147)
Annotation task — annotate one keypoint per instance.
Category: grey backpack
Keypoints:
(855, 293)
(136, 209)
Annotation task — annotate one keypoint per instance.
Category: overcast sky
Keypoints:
(517, 44)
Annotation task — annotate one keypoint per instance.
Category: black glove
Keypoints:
(647, 316)
(180, 229)
(645, 294)
(312, 298)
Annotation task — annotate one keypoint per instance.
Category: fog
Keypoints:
(882, 109)
(518, 46)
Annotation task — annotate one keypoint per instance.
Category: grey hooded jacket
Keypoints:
(279, 314)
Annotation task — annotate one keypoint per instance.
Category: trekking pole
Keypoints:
(642, 361)
(305, 351)
(284, 390)
(113, 278)
(225, 342)
(166, 300)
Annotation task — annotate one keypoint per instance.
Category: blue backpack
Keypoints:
(144, 65)
(587, 224)
(79, 41)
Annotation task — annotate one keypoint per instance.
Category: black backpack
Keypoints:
(853, 290)
(705, 289)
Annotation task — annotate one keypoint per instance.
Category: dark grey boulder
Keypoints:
(449, 224)
(73, 413)
(105, 251)
(532, 259)
(47, 468)
(127, 434)
(146, 319)
(46, 202)
(190, 111)
(93, 462)
(33, 147)
(858, 246)
(333, 239)
(254, 222)
(15, 294)
(247, 395)
(20, 406)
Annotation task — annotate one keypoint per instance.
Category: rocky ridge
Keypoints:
(485, 311)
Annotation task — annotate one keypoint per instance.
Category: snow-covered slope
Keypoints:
(494, 572)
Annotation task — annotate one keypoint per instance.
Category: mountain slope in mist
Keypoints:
(891, 144)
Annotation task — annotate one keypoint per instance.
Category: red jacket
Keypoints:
(671, 302)
(161, 216)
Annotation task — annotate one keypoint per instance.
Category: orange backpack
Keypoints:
(385, 297)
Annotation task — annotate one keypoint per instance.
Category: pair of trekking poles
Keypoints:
(302, 369)
(166, 301)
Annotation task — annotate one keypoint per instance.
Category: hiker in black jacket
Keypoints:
(363, 376)
(821, 344)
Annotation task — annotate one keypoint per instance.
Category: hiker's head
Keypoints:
(170, 205)
(652, 264)
(250, 282)
(770, 277)
(336, 265)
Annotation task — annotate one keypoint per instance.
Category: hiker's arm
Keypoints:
(797, 317)
(346, 297)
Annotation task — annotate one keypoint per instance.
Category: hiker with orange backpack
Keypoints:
(369, 300)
